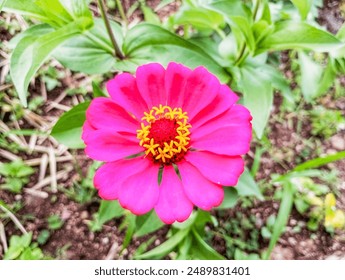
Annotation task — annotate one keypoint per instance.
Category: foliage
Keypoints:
(21, 248)
(16, 175)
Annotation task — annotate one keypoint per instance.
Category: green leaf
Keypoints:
(17, 246)
(147, 223)
(230, 198)
(27, 8)
(246, 186)
(31, 52)
(90, 52)
(2, 3)
(311, 73)
(258, 96)
(31, 254)
(149, 15)
(240, 255)
(199, 17)
(147, 43)
(130, 223)
(201, 250)
(97, 91)
(320, 161)
(298, 35)
(77, 8)
(68, 129)
(55, 11)
(282, 218)
(166, 247)
(109, 210)
(229, 8)
(303, 7)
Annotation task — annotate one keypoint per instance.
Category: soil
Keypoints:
(74, 240)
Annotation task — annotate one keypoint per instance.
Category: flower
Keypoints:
(170, 139)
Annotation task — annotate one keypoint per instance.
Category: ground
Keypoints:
(287, 134)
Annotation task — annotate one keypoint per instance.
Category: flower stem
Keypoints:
(121, 11)
(117, 51)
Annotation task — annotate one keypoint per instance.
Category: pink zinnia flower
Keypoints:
(171, 138)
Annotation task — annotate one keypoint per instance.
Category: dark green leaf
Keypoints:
(97, 91)
(230, 198)
(201, 250)
(147, 223)
(68, 129)
(246, 186)
(166, 247)
(147, 43)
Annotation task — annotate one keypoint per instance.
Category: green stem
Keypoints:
(121, 11)
(117, 51)
(240, 55)
(256, 8)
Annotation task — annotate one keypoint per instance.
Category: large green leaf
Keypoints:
(31, 52)
(148, 43)
(258, 96)
(298, 35)
(68, 129)
(90, 52)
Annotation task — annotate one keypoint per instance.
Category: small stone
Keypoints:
(292, 241)
(280, 253)
(157, 242)
(338, 142)
(105, 240)
(84, 215)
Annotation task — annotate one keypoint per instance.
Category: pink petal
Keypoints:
(109, 177)
(139, 193)
(87, 130)
(105, 113)
(228, 134)
(150, 82)
(223, 101)
(199, 190)
(107, 145)
(173, 204)
(220, 169)
(201, 88)
(123, 90)
(175, 81)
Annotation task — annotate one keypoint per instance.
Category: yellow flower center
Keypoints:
(165, 134)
